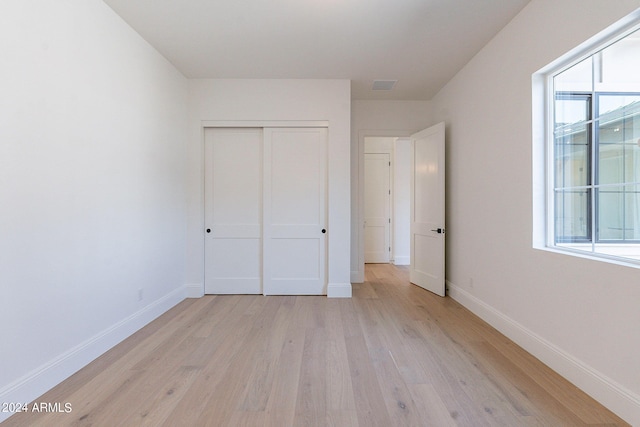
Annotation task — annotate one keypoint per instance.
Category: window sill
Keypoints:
(573, 250)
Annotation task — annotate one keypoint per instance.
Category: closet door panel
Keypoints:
(295, 211)
(233, 211)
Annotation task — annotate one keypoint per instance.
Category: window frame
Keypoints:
(544, 186)
(593, 187)
(588, 96)
(596, 183)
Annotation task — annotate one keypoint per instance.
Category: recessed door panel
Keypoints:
(295, 177)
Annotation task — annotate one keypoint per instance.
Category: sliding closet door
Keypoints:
(295, 228)
(233, 211)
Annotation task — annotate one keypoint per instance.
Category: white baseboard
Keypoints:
(52, 373)
(339, 290)
(619, 399)
(194, 290)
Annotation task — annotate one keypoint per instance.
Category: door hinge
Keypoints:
(389, 220)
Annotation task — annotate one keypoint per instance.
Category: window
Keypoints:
(594, 151)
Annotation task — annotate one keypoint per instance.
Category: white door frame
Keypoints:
(264, 124)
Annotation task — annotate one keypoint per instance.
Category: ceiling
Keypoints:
(420, 43)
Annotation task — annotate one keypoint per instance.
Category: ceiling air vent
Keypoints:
(383, 84)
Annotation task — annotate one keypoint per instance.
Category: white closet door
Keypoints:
(233, 211)
(295, 227)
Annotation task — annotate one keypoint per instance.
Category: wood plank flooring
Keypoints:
(393, 355)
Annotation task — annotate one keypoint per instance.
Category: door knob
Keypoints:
(324, 231)
(208, 230)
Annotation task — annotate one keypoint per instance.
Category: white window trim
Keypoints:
(542, 134)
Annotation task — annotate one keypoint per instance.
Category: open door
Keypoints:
(428, 209)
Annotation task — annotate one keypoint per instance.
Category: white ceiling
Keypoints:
(420, 43)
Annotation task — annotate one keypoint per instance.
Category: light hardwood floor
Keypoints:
(393, 355)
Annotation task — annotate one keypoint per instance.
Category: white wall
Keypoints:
(376, 119)
(274, 100)
(579, 316)
(92, 207)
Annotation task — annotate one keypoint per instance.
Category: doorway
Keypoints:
(387, 200)
(425, 151)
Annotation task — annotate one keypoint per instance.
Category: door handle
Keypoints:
(439, 230)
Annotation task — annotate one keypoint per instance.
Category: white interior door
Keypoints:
(377, 198)
(294, 211)
(428, 209)
(233, 211)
